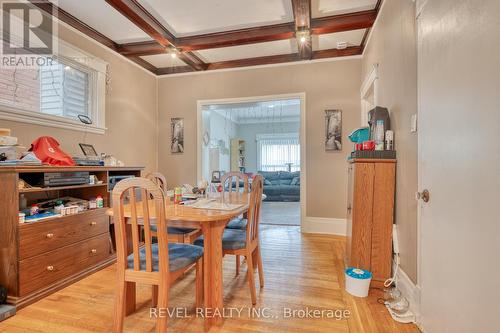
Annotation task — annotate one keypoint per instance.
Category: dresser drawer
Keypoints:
(40, 237)
(45, 269)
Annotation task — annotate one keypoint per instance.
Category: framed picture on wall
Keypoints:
(333, 130)
(176, 135)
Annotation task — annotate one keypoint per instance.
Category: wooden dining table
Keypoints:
(212, 223)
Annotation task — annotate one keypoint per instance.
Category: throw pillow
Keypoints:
(295, 181)
(267, 182)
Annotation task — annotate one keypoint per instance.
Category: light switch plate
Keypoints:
(414, 123)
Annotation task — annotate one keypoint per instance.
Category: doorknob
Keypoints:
(424, 195)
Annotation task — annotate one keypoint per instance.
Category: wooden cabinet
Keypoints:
(370, 215)
(39, 258)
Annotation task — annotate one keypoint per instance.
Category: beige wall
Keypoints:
(130, 112)
(393, 47)
(333, 84)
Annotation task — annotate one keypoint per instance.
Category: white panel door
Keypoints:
(459, 162)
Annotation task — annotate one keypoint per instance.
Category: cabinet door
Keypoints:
(350, 204)
(383, 218)
(362, 215)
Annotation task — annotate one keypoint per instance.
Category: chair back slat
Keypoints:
(159, 179)
(254, 205)
(152, 201)
(148, 240)
(237, 177)
(134, 228)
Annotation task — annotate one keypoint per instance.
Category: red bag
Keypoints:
(47, 150)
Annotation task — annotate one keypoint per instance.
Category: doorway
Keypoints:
(258, 135)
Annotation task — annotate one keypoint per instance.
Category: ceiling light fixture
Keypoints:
(303, 36)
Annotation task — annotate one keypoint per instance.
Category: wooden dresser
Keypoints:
(370, 215)
(39, 258)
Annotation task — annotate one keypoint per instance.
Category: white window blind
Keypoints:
(64, 91)
(278, 152)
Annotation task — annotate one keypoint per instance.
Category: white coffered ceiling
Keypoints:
(259, 112)
(163, 60)
(286, 46)
(103, 18)
(195, 17)
(185, 18)
(321, 8)
(329, 41)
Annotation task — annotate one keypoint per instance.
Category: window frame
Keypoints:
(96, 69)
(275, 136)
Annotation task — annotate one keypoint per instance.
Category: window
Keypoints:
(64, 91)
(280, 152)
(55, 94)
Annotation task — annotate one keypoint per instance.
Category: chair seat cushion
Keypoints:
(173, 230)
(238, 223)
(180, 256)
(232, 239)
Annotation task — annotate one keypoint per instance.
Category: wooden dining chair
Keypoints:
(158, 264)
(175, 235)
(237, 177)
(246, 242)
(159, 179)
(239, 222)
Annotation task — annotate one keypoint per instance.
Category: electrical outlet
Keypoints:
(414, 126)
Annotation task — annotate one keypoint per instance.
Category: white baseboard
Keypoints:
(410, 291)
(322, 225)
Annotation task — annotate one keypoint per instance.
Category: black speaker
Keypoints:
(3, 294)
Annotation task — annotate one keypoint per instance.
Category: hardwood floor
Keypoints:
(300, 271)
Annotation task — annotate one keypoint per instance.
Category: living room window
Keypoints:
(55, 94)
(278, 152)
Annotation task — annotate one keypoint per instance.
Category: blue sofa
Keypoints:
(281, 185)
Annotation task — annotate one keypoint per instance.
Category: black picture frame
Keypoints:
(88, 150)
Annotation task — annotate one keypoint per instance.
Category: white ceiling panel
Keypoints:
(103, 18)
(194, 17)
(321, 8)
(259, 112)
(249, 51)
(329, 41)
(163, 60)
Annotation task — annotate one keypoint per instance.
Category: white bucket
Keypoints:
(357, 281)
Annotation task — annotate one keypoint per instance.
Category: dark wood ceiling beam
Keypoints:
(267, 60)
(344, 22)
(138, 15)
(237, 37)
(330, 24)
(173, 70)
(192, 61)
(72, 21)
(335, 53)
(141, 48)
(302, 17)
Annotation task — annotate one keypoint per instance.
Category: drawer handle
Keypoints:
(93, 223)
(93, 251)
(50, 235)
(50, 268)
